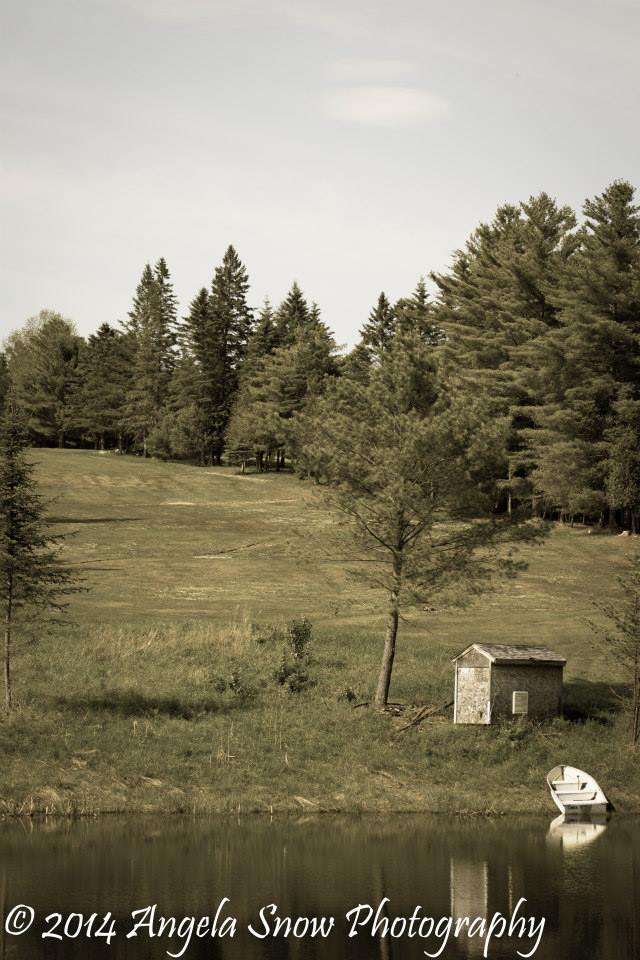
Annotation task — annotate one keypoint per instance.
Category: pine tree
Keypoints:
(103, 376)
(198, 402)
(292, 314)
(140, 307)
(590, 358)
(231, 328)
(32, 577)
(278, 390)
(378, 332)
(151, 326)
(403, 462)
(167, 297)
(495, 306)
(4, 382)
(415, 314)
(42, 360)
(264, 339)
(623, 459)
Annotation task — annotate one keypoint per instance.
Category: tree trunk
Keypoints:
(389, 652)
(61, 439)
(635, 724)
(8, 699)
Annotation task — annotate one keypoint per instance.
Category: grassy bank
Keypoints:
(164, 696)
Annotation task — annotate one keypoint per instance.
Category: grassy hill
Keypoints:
(162, 695)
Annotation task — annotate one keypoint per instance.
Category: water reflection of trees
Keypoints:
(589, 895)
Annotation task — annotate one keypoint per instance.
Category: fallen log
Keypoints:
(422, 714)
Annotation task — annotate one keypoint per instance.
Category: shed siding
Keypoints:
(543, 684)
(473, 693)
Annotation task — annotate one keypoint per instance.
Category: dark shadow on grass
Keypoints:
(93, 519)
(593, 700)
(131, 703)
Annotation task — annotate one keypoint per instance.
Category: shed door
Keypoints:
(473, 699)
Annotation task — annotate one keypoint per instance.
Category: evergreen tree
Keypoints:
(403, 460)
(264, 339)
(167, 299)
(281, 385)
(415, 314)
(42, 360)
(196, 417)
(230, 310)
(623, 460)
(4, 382)
(103, 376)
(140, 308)
(377, 333)
(495, 306)
(231, 327)
(590, 358)
(292, 314)
(151, 326)
(32, 578)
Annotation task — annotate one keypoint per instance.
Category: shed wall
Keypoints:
(473, 658)
(542, 683)
(472, 693)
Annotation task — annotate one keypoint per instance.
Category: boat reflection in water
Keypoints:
(571, 833)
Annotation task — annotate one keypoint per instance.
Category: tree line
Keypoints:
(538, 316)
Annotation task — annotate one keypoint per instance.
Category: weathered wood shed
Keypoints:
(496, 681)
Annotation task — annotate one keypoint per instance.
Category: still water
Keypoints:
(584, 880)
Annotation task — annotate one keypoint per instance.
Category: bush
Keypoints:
(294, 674)
(237, 685)
(299, 636)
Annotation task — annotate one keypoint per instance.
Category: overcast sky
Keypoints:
(351, 145)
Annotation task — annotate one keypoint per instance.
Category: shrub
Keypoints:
(299, 636)
(294, 674)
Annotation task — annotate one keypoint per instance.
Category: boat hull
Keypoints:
(575, 792)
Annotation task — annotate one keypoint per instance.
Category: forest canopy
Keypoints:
(537, 320)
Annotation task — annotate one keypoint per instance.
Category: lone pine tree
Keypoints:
(32, 577)
(409, 464)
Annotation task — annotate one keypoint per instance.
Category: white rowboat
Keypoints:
(574, 791)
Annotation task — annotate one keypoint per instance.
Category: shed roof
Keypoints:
(515, 653)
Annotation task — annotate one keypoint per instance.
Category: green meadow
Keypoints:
(160, 694)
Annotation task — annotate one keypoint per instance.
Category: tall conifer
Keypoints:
(32, 578)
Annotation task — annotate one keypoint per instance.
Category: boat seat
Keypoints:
(563, 785)
(582, 797)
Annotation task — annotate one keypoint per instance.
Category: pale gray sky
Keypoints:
(349, 145)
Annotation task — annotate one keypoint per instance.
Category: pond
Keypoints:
(400, 886)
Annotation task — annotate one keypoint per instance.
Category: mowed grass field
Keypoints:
(161, 694)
